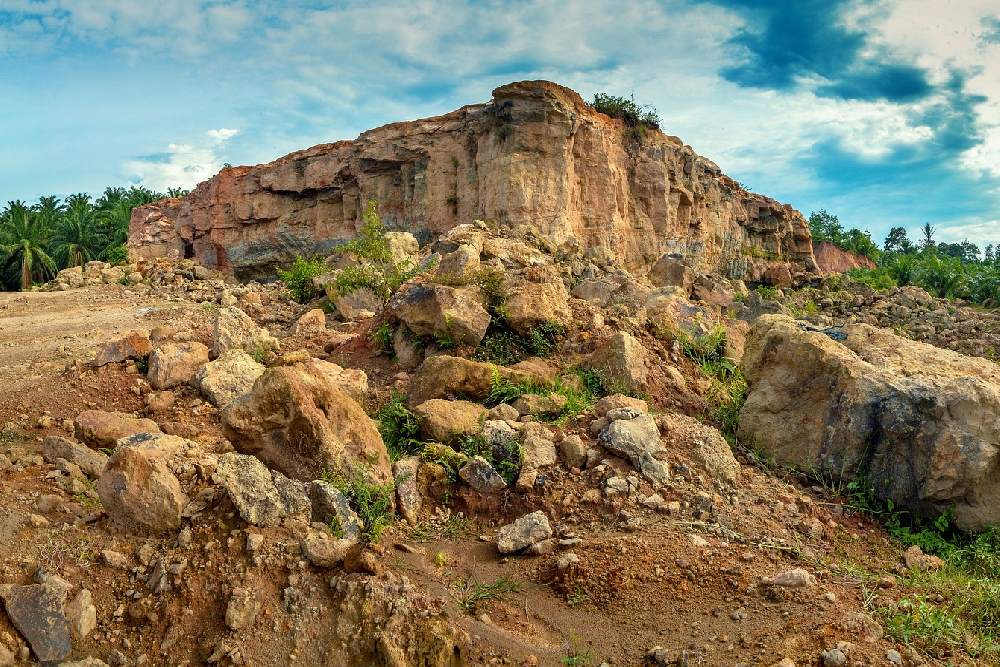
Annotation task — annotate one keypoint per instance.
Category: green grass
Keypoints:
(578, 399)
(298, 278)
(767, 292)
(473, 596)
(372, 502)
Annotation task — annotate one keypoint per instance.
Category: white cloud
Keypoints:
(980, 232)
(182, 165)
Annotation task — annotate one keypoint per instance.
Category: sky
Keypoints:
(883, 113)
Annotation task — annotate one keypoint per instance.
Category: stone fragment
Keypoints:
(332, 508)
(525, 531)
(408, 497)
(441, 376)
(36, 610)
(175, 364)
(453, 314)
(323, 549)
(482, 476)
(532, 304)
(310, 323)
(90, 462)
(638, 440)
(448, 421)
(262, 497)
(572, 451)
(134, 345)
(242, 609)
(139, 491)
(103, 429)
(622, 362)
(228, 377)
(235, 330)
(797, 578)
(82, 614)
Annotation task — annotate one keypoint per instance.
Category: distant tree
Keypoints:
(860, 243)
(896, 241)
(825, 226)
(24, 238)
(966, 251)
(77, 238)
(989, 255)
(927, 242)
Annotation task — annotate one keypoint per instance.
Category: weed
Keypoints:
(505, 455)
(372, 501)
(381, 337)
(577, 597)
(399, 427)
(474, 595)
(627, 109)
(440, 559)
(298, 278)
(767, 292)
(575, 655)
(259, 353)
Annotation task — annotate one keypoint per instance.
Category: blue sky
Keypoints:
(886, 113)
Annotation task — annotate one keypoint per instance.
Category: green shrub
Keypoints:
(372, 502)
(298, 278)
(399, 428)
(505, 456)
(370, 243)
(381, 337)
(627, 110)
(116, 255)
(767, 292)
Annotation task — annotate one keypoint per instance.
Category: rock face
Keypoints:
(831, 259)
(920, 423)
(301, 423)
(535, 155)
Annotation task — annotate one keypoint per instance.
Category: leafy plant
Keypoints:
(627, 109)
(399, 427)
(474, 595)
(298, 278)
(382, 337)
(371, 501)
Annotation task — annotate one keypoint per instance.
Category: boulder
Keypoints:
(90, 462)
(706, 445)
(408, 352)
(528, 530)
(636, 438)
(537, 404)
(36, 610)
(455, 315)
(403, 247)
(138, 489)
(235, 330)
(310, 323)
(299, 421)
(408, 497)
(482, 476)
(324, 549)
(459, 265)
(532, 304)
(622, 362)
(332, 508)
(448, 421)
(359, 304)
(104, 429)
(175, 364)
(671, 271)
(573, 451)
(352, 381)
(228, 377)
(134, 345)
(261, 496)
(919, 423)
(443, 375)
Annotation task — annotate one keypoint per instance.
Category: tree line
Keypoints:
(38, 240)
(948, 270)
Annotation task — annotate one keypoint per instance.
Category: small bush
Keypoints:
(372, 502)
(399, 428)
(116, 255)
(381, 337)
(767, 292)
(627, 110)
(474, 595)
(878, 279)
(298, 278)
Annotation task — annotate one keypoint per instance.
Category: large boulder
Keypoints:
(533, 304)
(919, 423)
(235, 330)
(133, 345)
(262, 497)
(443, 375)
(622, 363)
(138, 488)
(671, 271)
(447, 421)
(299, 421)
(228, 377)
(455, 315)
(103, 429)
(175, 364)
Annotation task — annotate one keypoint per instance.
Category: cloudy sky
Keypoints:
(886, 113)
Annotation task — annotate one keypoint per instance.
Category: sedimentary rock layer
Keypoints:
(534, 156)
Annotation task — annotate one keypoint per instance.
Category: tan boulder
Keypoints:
(916, 421)
(447, 421)
(228, 377)
(452, 315)
(90, 462)
(139, 491)
(134, 345)
(302, 423)
(622, 363)
(532, 304)
(175, 364)
(235, 330)
(104, 429)
(311, 322)
(443, 375)
(671, 271)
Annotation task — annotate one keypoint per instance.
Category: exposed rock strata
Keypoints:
(536, 156)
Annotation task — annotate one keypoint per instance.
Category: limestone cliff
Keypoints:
(535, 157)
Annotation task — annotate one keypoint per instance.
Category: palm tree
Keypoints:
(77, 238)
(24, 239)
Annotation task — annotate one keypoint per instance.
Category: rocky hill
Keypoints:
(545, 422)
(535, 157)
